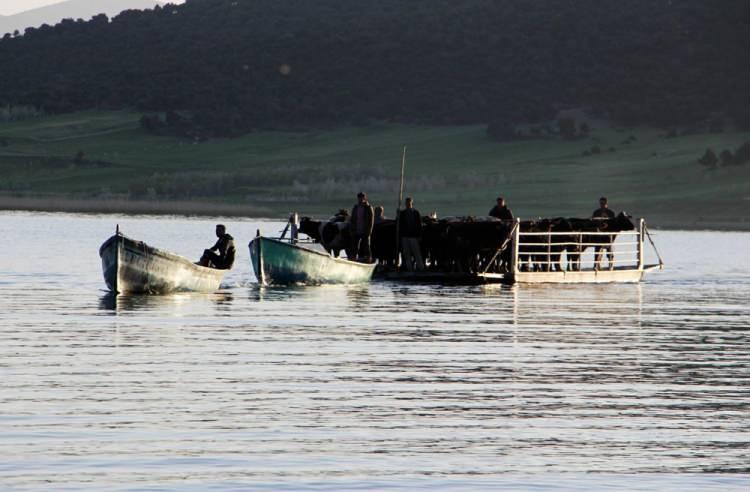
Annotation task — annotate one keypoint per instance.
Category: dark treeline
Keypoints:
(230, 66)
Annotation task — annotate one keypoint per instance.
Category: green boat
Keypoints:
(282, 262)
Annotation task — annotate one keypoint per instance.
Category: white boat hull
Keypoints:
(134, 267)
(603, 276)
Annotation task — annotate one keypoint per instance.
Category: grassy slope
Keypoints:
(454, 170)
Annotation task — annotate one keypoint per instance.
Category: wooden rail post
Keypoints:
(514, 251)
(549, 249)
(641, 229)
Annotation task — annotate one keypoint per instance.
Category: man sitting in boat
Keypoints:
(601, 214)
(223, 258)
(501, 210)
(361, 223)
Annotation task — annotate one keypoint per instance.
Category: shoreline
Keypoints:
(184, 208)
(119, 206)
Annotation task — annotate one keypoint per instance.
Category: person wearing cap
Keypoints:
(223, 258)
(501, 210)
(361, 223)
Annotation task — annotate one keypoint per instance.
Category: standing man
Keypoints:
(603, 213)
(410, 232)
(223, 259)
(360, 227)
(501, 210)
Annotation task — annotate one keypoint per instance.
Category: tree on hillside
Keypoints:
(709, 159)
(726, 157)
(501, 131)
(742, 155)
(567, 127)
(235, 66)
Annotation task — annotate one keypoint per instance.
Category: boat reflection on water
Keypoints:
(179, 304)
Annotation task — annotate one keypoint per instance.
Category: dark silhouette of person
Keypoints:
(379, 214)
(410, 232)
(361, 223)
(601, 214)
(223, 257)
(501, 210)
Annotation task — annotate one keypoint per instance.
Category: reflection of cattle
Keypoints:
(333, 235)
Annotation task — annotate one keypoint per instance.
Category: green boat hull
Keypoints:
(281, 263)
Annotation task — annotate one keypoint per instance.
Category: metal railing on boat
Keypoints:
(574, 250)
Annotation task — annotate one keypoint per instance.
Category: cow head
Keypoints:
(623, 222)
(310, 227)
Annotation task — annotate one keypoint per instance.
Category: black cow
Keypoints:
(599, 242)
(466, 244)
(383, 243)
(535, 250)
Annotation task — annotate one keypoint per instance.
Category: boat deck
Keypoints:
(616, 275)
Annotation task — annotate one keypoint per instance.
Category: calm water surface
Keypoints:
(383, 386)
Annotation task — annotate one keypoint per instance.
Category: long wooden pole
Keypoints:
(400, 200)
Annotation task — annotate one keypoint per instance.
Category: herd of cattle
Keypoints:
(478, 244)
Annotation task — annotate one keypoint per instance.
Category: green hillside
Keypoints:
(95, 158)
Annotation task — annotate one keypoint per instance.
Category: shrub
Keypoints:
(501, 131)
(742, 155)
(726, 157)
(709, 159)
(79, 158)
(567, 127)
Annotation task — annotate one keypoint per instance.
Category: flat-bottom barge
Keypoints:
(551, 257)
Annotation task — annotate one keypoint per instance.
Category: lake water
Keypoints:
(376, 387)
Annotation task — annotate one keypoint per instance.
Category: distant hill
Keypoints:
(225, 67)
(70, 9)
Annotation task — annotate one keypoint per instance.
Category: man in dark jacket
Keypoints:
(501, 210)
(410, 233)
(603, 212)
(223, 259)
(361, 222)
(600, 214)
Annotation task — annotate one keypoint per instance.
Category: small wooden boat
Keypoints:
(131, 266)
(281, 262)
